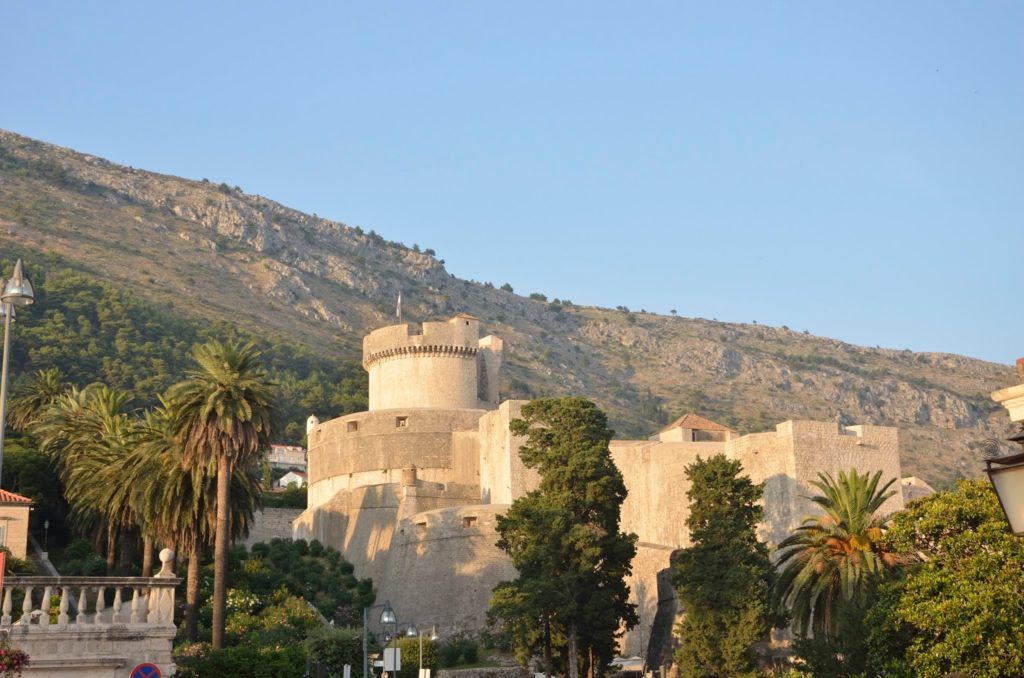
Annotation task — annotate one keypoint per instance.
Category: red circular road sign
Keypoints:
(146, 670)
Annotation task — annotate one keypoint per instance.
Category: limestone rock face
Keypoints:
(322, 282)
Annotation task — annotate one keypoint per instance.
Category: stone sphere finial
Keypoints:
(166, 556)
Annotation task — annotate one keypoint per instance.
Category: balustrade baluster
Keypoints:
(44, 607)
(65, 601)
(151, 611)
(116, 618)
(144, 606)
(82, 604)
(135, 606)
(8, 604)
(101, 604)
(26, 607)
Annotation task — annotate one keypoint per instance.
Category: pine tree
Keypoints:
(724, 579)
(565, 542)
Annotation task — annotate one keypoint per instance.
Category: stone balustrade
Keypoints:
(136, 600)
(91, 627)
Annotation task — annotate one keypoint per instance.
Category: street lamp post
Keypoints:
(433, 636)
(17, 291)
(387, 618)
(1007, 473)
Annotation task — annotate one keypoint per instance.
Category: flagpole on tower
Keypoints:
(398, 308)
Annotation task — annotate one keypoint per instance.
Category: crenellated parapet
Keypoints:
(433, 365)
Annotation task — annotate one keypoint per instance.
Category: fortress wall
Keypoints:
(443, 566)
(359, 523)
(655, 509)
(768, 458)
(430, 366)
(271, 523)
(825, 447)
(442, 381)
(342, 459)
(503, 477)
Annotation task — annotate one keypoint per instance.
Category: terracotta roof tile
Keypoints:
(696, 422)
(12, 498)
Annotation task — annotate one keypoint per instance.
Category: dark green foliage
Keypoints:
(458, 651)
(564, 538)
(291, 497)
(724, 580)
(410, 649)
(339, 646)
(79, 559)
(200, 660)
(317, 573)
(961, 606)
(93, 332)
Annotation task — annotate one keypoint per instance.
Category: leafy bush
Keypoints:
(337, 647)
(200, 660)
(459, 651)
(310, 570)
(410, 648)
(79, 559)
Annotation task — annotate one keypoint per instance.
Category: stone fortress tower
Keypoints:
(409, 490)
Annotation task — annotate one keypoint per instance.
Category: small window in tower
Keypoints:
(352, 426)
(469, 521)
(401, 422)
(422, 528)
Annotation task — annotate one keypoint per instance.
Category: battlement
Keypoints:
(459, 336)
(436, 364)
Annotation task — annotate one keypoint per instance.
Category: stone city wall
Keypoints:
(271, 523)
(443, 565)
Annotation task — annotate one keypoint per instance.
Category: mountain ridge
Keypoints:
(213, 251)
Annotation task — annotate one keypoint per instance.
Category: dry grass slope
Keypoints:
(266, 266)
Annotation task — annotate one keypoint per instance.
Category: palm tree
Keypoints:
(178, 504)
(31, 398)
(222, 416)
(88, 433)
(834, 559)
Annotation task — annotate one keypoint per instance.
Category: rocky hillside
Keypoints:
(213, 251)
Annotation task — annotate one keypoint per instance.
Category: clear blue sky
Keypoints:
(857, 171)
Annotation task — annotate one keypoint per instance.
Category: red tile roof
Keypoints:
(12, 498)
(695, 422)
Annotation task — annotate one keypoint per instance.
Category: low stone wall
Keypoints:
(94, 652)
(270, 523)
(488, 672)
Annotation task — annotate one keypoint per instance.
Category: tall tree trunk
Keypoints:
(547, 648)
(111, 549)
(590, 663)
(192, 591)
(147, 556)
(574, 669)
(220, 549)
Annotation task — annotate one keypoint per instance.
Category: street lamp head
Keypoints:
(411, 632)
(433, 633)
(17, 289)
(387, 615)
(1007, 476)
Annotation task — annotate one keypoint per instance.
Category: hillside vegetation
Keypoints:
(214, 258)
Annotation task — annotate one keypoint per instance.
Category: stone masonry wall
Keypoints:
(271, 523)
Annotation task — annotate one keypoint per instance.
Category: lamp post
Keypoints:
(1007, 473)
(433, 636)
(17, 291)
(1007, 476)
(387, 618)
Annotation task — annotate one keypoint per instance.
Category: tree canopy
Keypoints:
(960, 607)
(724, 579)
(564, 540)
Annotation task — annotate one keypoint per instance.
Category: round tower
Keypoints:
(443, 365)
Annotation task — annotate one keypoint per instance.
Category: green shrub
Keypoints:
(410, 648)
(337, 647)
(200, 660)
